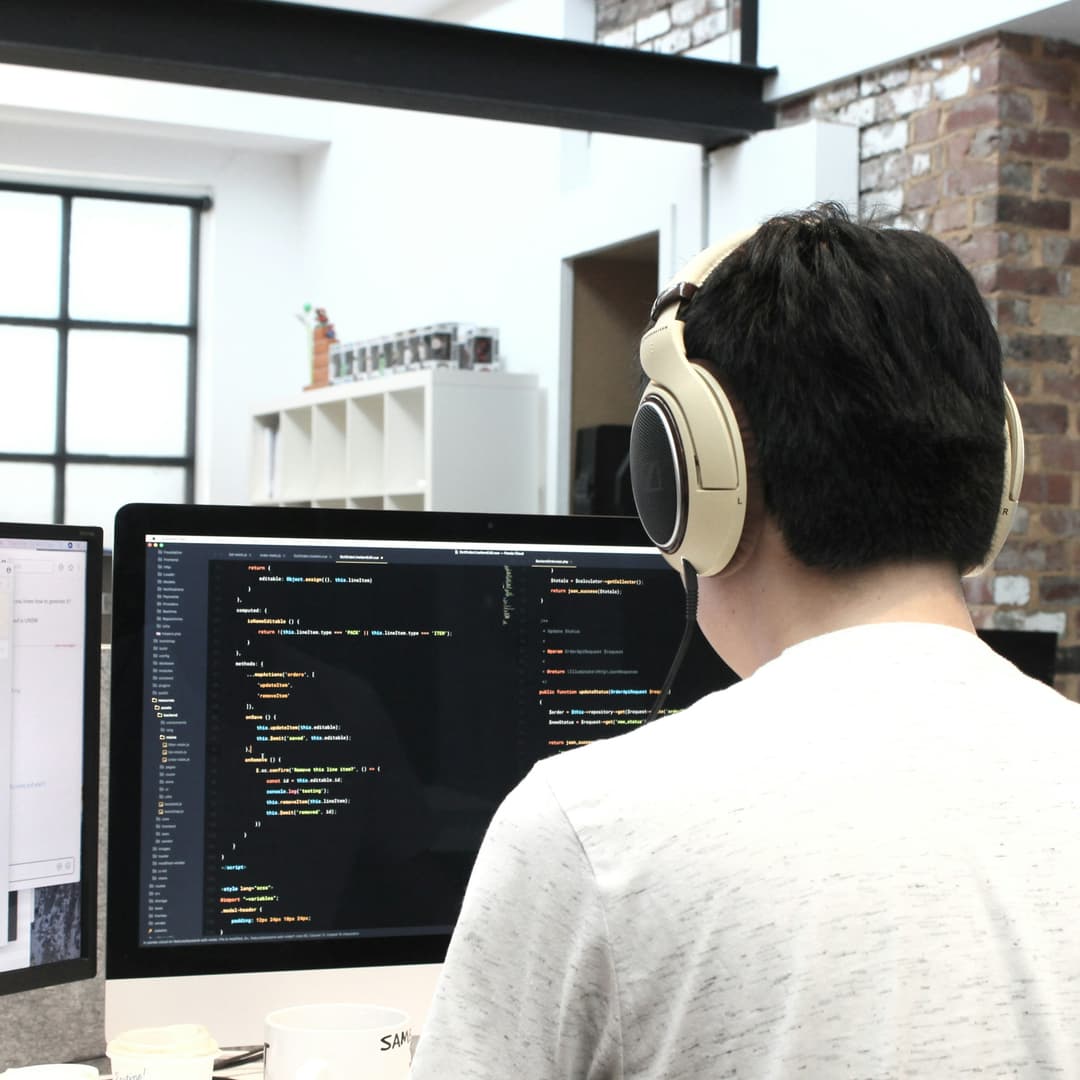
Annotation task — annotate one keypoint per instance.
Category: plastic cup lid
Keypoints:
(174, 1040)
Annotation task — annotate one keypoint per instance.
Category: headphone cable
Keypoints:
(689, 576)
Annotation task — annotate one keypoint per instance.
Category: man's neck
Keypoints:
(774, 601)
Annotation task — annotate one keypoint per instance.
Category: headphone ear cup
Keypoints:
(658, 472)
(688, 472)
(687, 466)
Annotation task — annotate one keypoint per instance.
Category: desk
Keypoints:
(250, 1070)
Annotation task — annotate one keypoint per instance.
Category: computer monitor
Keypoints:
(50, 672)
(1034, 652)
(315, 714)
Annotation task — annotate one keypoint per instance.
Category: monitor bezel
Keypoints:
(84, 966)
(124, 958)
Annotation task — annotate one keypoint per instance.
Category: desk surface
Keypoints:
(249, 1070)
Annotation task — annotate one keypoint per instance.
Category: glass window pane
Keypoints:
(129, 261)
(29, 254)
(94, 493)
(28, 398)
(127, 393)
(26, 491)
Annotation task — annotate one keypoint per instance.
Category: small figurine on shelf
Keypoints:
(323, 335)
(324, 321)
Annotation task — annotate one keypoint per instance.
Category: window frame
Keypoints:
(60, 457)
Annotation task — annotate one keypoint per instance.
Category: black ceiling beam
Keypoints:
(335, 55)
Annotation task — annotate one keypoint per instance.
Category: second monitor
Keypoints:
(50, 668)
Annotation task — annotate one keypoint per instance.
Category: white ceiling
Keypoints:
(409, 9)
(1059, 21)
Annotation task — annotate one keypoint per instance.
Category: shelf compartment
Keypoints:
(265, 458)
(293, 468)
(328, 448)
(405, 466)
(408, 501)
(365, 433)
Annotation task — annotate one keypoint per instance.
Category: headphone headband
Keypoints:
(1014, 479)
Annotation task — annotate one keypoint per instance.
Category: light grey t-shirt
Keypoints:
(863, 861)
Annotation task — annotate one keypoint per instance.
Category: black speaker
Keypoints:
(601, 479)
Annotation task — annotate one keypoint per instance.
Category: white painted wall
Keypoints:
(782, 170)
(817, 43)
(543, 18)
(388, 219)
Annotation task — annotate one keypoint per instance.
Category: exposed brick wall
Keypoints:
(669, 26)
(979, 144)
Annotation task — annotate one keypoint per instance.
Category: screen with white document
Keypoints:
(50, 669)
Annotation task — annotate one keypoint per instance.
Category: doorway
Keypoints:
(613, 290)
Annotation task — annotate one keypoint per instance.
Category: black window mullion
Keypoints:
(96, 324)
(60, 472)
(197, 202)
(64, 324)
(193, 351)
(179, 460)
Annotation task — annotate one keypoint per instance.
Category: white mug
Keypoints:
(337, 1042)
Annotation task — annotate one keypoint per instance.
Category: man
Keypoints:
(864, 859)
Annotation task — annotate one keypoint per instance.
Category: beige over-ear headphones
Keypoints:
(687, 459)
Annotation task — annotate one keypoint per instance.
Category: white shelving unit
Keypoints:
(421, 440)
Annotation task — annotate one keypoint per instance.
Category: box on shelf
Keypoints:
(437, 345)
(440, 345)
(478, 348)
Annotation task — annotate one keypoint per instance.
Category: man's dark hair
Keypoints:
(869, 373)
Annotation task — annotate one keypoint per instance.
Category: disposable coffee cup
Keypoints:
(174, 1052)
(337, 1042)
(52, 1072)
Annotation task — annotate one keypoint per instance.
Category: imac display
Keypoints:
(50, 671)
(315, 714)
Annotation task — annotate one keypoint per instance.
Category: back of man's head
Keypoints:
(869, 373)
